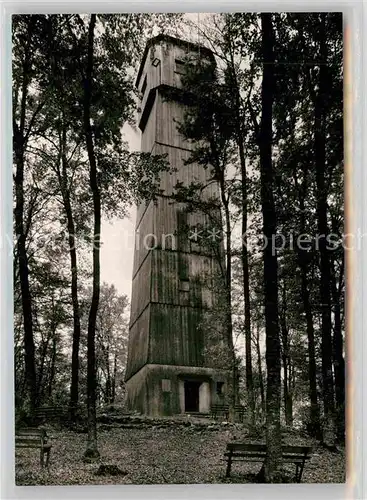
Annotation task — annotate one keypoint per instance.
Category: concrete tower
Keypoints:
(168, 369)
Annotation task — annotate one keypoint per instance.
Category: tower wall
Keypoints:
(168, 370)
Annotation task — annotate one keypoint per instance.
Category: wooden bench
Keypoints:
(219, 410)
(50, 413)
(34, 438)
(240, 411)
(256, 452)
(223, 410)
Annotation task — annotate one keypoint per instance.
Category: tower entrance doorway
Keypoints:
(191, 395)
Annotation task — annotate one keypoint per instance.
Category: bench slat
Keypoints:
(259, 447)
(246, 447)
(44, 447)
(26, 432)
(296, 449)
(28, 445)
(258, 458)
(28, 438)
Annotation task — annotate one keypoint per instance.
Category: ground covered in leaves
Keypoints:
(161, 452)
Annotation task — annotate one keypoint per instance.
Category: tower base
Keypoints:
(159, 390)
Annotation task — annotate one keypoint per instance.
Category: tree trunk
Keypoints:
(261, 380)
(314, 427)
(227, 279)
(19, 145)
(338, 358)
(108, 374)
(52, 369)
(322, 226)
(40, 389)
(273, 392)
(233, 385)
(113, 387)
(65, 190)
(92, 451)
(244, 250)
(246, 286)
(287, 380)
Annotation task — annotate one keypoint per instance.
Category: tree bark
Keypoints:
(244, 250)
(261, 380)
(273, 392)
(19, 145)
(322, 226)
(65, 191)
(287, 380)
(246, 296)
(113, 385)
(227, 278)
(233, 386)
(92, 451)
(338, 358)
(45, 344)
(314, 427)
(53, 366)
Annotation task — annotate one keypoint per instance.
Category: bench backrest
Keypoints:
(50, 410)
(50, 413)
(29, 438)
(260, 448)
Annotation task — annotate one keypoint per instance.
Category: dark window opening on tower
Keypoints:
(220, 388)
(182, 230)
(180, 67)
(184, 285)
(183, 267)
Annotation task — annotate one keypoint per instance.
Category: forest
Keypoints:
(268, 121)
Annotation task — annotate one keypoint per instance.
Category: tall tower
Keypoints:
(168, 368)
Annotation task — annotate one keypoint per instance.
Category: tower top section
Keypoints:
(170, 43)
(164, 61)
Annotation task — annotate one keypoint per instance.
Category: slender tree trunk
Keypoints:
(287, 380)
(322, 226)
(273, 391)
(40, 390)
(65, 190)
(227, 279)
(19, 144)
(52, 368)
(314, 427)
(338, 359)
(92, 451)
(108, 390)
(261, 379)
(244, 250)
(246, 286)
(113, 388)
(233, 386)
(108, 375)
